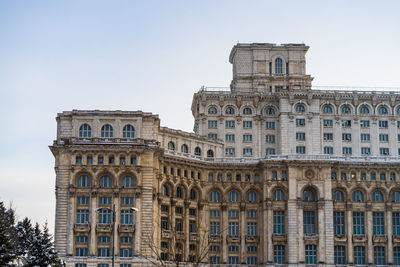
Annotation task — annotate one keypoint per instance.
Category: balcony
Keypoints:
(214, 238)
(379, 238)
(166, 234)
(104, 227)
(310, 237)
(233, 238)
(126, 228)
(82, 227)
(279, 237)
(194, 236)
(359, 238)
(396, 239)
(252, 238)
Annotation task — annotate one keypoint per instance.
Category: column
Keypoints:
(370, 249)
(299, 217)
(243, 251)
(136, 248)
(321, 232)
(186, 230)
(70, 244)
(117, 222)
(389, 231)
(265, 232)
(224, 233)
(329, 235)
(293, 226)
(349, 222)
(93, 222)
(270, 232)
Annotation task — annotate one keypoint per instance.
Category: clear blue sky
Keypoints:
(152, 56)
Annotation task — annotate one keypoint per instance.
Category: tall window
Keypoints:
(197, 151)
(308, 195)
(382, 110)
(126, 217)
(233, 196)
(377, 196)
(364, 110)
(358, 196)
(311, 254)
(229, 111)
(279, 195)
(339, 255)
(346, 109)
(278, 66)
(279, 222)
(358, 223)
(212, 110)
(378, 223)
(128, 131)
(171, 146)
(210, 153)
(107, 131)
(396, 196)
(82, 216)
(279, 254)
(215, 196)
(184, 148)
(338, 222)
(233, 228)
(396, 223)
(127, 182)
(85, 131)
(327, 109)
(83, 181)
(251, 228)
(338, 196)
(247, 111)
(300, 108)
(396, 255)
(379, 255)
(309, 222)
(251, 197)
(105, 216)
(359, 255)
(215, 228)
(179, 192)
(193, 195)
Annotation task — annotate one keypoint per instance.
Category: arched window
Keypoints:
(107, 131)
(215, 196)
(171, 146)
(398, 111)
(308, 195)
(247, 111)
(278, 66)
(364, 110)
(165, 190)
(197, 151)
(212, 110)
(233, 196)
(346, 109)
(230, 111)
(251, 197)
(85, 131)
(377, 196)
(396, 196)
(327, 109)
(338, 196)
(279, 195)
(127, 182)
(382, 110)
(358, 196)
(210, 153)
(179, 192)
(270, 111)
(83, 181)
(105, 182)
(128, 131)
(300, 108)
(184, 148)
(193, 194)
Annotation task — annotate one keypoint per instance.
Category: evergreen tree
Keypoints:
(7, 231)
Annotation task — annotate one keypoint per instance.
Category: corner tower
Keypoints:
(264, 67)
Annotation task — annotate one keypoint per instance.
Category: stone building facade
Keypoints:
(275, 173)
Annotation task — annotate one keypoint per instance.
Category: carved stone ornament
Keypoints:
(309, 174)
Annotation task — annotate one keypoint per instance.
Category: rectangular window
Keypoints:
(364, 124)
(396, 255)
(78, 160)
(328, 136)
(309, 222)
(279, 254)
(346, 137)
(311, 254)
(105, 216)
(81, 239)
(270, 138)
(89, 160)
(359, 255)
(192, 226)
(133, 160)
(212, 124)
(365, 137)
(230, 138)
(365, 151)
(230, 124)
(229, 151)
(378, 223)
(270, 125)
(358, 223)
(398, 124)
(247, 124)
(300, 122)
(125, 240)
(300, 149)
(192, 212)
(213, 136)
(251, 228)
(83, 200)
(122, 161)
(328, 150)
(103, 252)
(164, 223)
(251, 260)
(178, 225)
(178, 210)
(346, 150)
(233, 228)
(233, 214)
(214, 260)
(379, 255)
(279, 222)
(338, 222)
(233, 260)
(328, 123)
(339, 255)
(383, 137)
(104, 200)
(247, 151)
(127, 201)
(100, 160)
(215, 228)
(214, 213)
(247, 138)
(81, 252)
(270, 151)
(300, 136)
(384, 151)
(346, 123)
(251, 214)
(383, 124)
(103, 239)
(82, 216)
(125, 252)
(126, 217)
